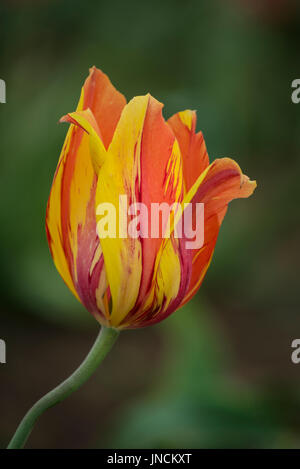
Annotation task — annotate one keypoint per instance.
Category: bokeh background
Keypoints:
(218, 373)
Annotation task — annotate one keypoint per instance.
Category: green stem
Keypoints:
(101, 347)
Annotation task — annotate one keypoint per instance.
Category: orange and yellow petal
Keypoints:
(143, 162)
(220, 183)
(192, 146)
(70, 220)
(105, 102)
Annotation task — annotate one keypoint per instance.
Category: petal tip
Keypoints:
(64, 119)
(247, 186)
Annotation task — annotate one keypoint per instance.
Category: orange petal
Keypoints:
(192, 146)
(105, 102)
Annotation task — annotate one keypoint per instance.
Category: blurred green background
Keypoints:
(217, 373)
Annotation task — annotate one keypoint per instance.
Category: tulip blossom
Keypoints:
(155, 178)
(114, 149)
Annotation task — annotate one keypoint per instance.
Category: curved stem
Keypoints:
(101, 347)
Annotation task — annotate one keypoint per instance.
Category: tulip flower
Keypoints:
(114, 149)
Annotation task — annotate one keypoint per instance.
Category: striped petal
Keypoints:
(192, 146)
(143, 162)
(70, 220)
(220, 183)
